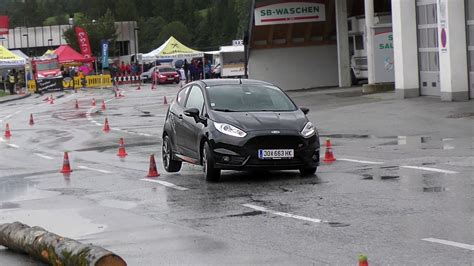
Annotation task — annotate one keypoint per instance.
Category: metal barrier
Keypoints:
(94, 81)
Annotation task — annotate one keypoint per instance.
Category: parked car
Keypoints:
(233, 124)
(164, 74)
(146, 76)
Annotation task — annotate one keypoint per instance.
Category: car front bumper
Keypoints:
(244, 155)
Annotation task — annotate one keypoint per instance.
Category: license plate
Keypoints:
(170, 78)
(276, 154)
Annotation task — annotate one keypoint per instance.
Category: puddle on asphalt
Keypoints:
(246, 214)
(346, 136)
(336, 224)
(23, 191)
(388, 177)
(115, 146)
(367, 177)
(420, 142)
(434, 189)
(118, 204)
(9, 205)
(64, 222)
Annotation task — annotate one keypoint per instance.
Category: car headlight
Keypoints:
(308, 130)
(229, 130)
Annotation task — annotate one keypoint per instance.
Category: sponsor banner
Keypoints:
(83, 41)
(105, 53)
(383, 57)
(4, 25)
(290, 12)
(43, 85)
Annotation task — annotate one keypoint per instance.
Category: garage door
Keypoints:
(428, 55)
(470, 44)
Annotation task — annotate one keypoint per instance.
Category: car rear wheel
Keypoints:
(167, 155)
(308, 171)
(210, 173)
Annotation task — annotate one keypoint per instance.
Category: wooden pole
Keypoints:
(54, 249)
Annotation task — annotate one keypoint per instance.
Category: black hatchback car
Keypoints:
(233, 124)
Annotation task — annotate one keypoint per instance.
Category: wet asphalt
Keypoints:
(400, 191)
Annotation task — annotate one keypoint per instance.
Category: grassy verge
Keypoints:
(2, 93)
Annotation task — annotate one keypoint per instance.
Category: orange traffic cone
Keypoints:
(103, 105)
(363, 260)
(328, 156)
(121, 152)
(8, 134)
(51, 100)
(32, 122)
(93, 101)
(66, 166)
(106, 126)
(165, 101)
(153, 172)
(77, 105)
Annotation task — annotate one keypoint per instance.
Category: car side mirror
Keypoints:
(194, 113)
(305, 110)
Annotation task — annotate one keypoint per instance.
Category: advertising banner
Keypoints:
(83, 40)
(383, 57)
(4, 25)
(43, 85)
(105, 53)
(290, 12)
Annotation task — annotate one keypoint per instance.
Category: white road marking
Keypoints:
(94, 169)
(8, 116)
(13, 145)
(284, 214)
(358, 161)
(2, 140)
(164, 183)
(450, 243)
(44, 156)
(429, 169)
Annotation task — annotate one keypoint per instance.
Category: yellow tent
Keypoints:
(9, 59)
(49, 52)
(172, 48)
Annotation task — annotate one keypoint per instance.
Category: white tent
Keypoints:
(171, 49)
(20, 54)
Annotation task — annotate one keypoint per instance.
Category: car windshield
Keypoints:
(248, 98)
(47, 66)
(166, 69)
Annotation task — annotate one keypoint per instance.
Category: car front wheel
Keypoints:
(210, 173)
(170, 165)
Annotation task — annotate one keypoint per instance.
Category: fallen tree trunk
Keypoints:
(54, 249)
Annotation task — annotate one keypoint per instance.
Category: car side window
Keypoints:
(195, 99)
(182, 96)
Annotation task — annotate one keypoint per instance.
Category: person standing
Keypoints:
(186, 70)
(12, 81)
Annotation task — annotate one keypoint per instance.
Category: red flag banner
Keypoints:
(83, 40)
(3, 25)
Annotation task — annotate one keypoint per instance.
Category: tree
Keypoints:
(149, 30)
(126, 11)
(176, 29)
(103, 28)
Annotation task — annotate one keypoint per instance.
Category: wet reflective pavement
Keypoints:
(398, 179)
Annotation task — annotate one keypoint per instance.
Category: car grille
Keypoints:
(275, 142)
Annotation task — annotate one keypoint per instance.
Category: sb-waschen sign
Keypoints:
(290, 12)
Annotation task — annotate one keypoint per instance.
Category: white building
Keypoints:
(34, 41)
(304, 44)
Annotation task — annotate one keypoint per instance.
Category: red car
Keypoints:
(166, 74)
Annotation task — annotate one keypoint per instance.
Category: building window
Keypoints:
(359, 42)
(122, 48)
